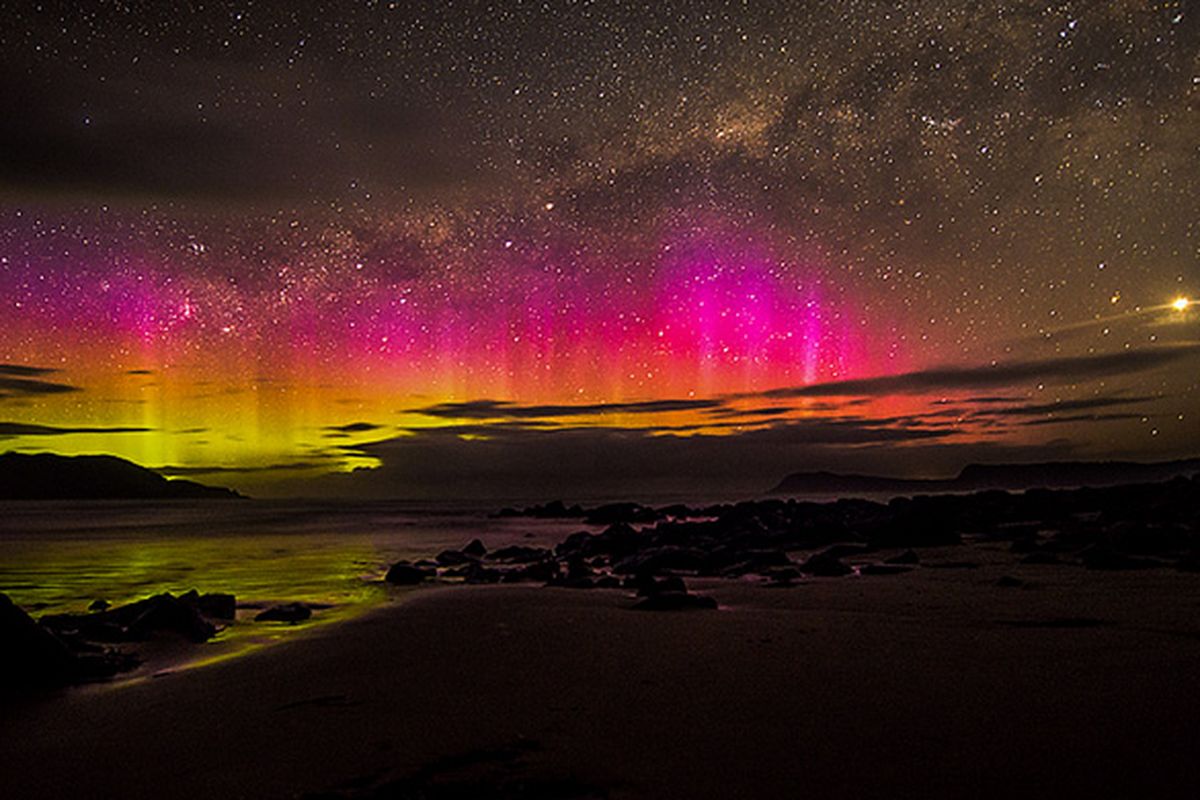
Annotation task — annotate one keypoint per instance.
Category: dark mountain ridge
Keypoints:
(46, 476)
(973, 477)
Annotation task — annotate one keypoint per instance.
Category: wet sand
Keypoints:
(936, 683)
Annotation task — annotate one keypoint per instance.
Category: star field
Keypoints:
(262, 220)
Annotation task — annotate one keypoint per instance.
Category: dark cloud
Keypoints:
(18, 380)
(503, 409)
(1070, 369)
(513, 460)
(982, 400)
(1119, 416)
(25, 371)
(725, 412)
(11, 429)
(139, 372)
(352, 427)
(1037, 409)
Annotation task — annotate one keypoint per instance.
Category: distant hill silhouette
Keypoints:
(1055, 474)
(45, 476)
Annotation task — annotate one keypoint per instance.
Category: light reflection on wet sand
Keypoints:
(57, 557)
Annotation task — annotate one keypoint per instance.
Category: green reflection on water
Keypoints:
(57, 556)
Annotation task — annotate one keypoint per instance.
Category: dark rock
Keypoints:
(648, 585)
(219, 605)
(519, 554)
(452, 558)
(135, 622)
(1189, 563)
(757, 561)
(620, 513)
(608, 582)
(1102, 557)
(617, 541)
(288, 612)
(783, 574)
(825, 567)
(555, 509)
(1026, 544)
(675, 601)
(98, 605)
(404, 574)
(657, 559)
(907, 557)
(884, 569)
(573, 583)
(32, 655)
(539, 571)
(475, 549)
(677, 511)
(578, 568)
(164, 612)
(476, 573)
(844, 549)
(216, 605)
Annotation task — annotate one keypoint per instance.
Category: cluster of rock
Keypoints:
(782, 541)
(608, 514)
(59, 649)
(192, 615)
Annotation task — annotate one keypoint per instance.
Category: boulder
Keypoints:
(216, 605)
(884, 569)
(844, 549)
(1102, 557)
(519, 554)
(452, 558)
(165, 612)
(475, 549)
(32, 655)
(403, 573)
(658, 559)
(907, 557)
(539, 571)
(475, 573)
(824, 566)
(648, 585)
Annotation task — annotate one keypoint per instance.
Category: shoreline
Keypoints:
(936, 683)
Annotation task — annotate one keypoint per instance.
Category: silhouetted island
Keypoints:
(45, 476)
(976, 477)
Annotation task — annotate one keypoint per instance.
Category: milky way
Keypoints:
(252, 235)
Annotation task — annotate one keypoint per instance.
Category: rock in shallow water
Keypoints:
(34, 657)
(404, 574)
(824, 566)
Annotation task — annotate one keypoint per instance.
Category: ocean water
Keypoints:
(57, 556)
(61, 556)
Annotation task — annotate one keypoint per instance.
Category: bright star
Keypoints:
(1181, 304)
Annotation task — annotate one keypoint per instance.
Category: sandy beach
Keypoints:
(936, 683)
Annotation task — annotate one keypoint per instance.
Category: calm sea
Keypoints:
(57, 556)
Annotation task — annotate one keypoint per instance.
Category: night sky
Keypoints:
(523, 247)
